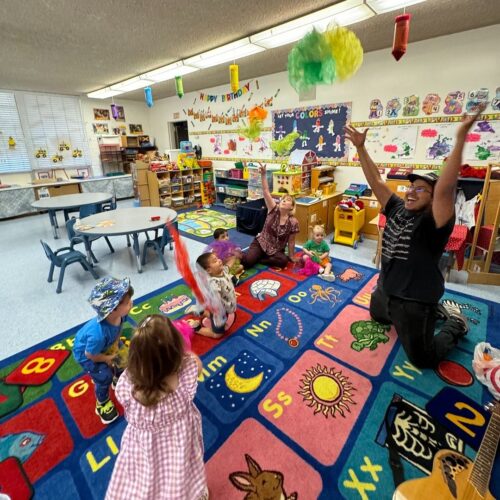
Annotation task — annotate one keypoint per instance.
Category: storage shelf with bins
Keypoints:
(112, 155)
(323, 178)
(180, 188)
(230, 188)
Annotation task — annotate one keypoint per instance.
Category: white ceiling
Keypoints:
(76, 46)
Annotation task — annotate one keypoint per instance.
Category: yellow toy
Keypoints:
(12, 143)
(348, 223)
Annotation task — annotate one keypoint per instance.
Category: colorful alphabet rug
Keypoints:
(306, 397)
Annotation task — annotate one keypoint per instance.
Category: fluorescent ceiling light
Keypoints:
(230, 52)
(169, 72)
(382, 6)
(343, 13)
(138, 82)
(104, 93)
(354, 15)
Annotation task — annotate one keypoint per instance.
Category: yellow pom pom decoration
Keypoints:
(346, 50)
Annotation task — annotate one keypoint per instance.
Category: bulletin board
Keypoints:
(321, 128)
(430, 142)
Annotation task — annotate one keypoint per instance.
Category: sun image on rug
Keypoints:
(203, 223)
(299, 400)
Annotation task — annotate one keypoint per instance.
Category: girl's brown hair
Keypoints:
(156, 351)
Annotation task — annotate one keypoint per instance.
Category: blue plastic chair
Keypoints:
(158, 244)
(62, 260)
(87, 210)
(87, 240)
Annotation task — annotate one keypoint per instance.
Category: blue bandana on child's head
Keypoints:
(107, 294)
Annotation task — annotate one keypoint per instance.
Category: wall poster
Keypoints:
(321, 128)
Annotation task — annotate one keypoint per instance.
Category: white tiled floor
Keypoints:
(32, 311)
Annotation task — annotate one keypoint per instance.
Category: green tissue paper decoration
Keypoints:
(346, 49)
(310, 62)
(282, 147)
(322, 58)
(253, 130)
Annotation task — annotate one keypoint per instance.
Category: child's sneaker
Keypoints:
(327, 277)
(106, 412)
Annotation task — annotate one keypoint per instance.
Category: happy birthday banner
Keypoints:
(225, 97)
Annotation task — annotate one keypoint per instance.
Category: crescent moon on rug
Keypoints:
(242, 385)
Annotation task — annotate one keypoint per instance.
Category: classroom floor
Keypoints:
(32, 311)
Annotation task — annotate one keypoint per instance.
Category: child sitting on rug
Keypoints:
(317, 250)
(217, 323)
(227, 251)
(161, 452)
(97, 345)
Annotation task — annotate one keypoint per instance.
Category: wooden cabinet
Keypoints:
(320, 212)
(141, 187)
(398, 186)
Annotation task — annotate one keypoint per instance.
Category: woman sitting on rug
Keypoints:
(279, 231)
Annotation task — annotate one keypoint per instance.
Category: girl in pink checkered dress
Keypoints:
(161, 453)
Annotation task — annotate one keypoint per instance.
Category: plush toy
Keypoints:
(352, 202)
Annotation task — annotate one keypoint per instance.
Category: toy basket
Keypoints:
(348, 223)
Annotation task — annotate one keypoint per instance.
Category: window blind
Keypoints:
(54, 130)
(14, 155)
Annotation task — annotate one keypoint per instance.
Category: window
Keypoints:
(14, 155)
(54, 130)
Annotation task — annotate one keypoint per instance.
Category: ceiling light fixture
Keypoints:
(383, 6)
(343, 13)
(169, 72)
(229, 52)
(138, 82)
(104, 93)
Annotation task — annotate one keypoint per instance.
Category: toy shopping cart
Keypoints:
(348, 223)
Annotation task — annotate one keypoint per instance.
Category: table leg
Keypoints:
(86, 242)
(53, 223)
(135, 245)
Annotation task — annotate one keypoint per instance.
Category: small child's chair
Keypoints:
(75, 239)
(64, 257)
(158, 243)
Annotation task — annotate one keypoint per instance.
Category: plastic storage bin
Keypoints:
(347, 225)
(250, 216)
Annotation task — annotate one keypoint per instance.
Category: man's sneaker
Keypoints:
(462, 320)
(114, 382)
(442, 313)
(106, 412)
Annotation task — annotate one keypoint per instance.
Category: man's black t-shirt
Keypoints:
(411, 249)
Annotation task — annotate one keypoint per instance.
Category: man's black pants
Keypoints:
(414, 323)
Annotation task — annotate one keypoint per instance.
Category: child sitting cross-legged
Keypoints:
(318, 250)
(161, 452)
(97, 345)
(216, 323)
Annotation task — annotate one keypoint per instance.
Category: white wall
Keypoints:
(462, 61)
(135, 112)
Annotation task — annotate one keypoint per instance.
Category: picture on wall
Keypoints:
(119, 115)
(135, 128)
(101, 114)
(320, 128)
(100, 128)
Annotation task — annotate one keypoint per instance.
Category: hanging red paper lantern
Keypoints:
(401, 33)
